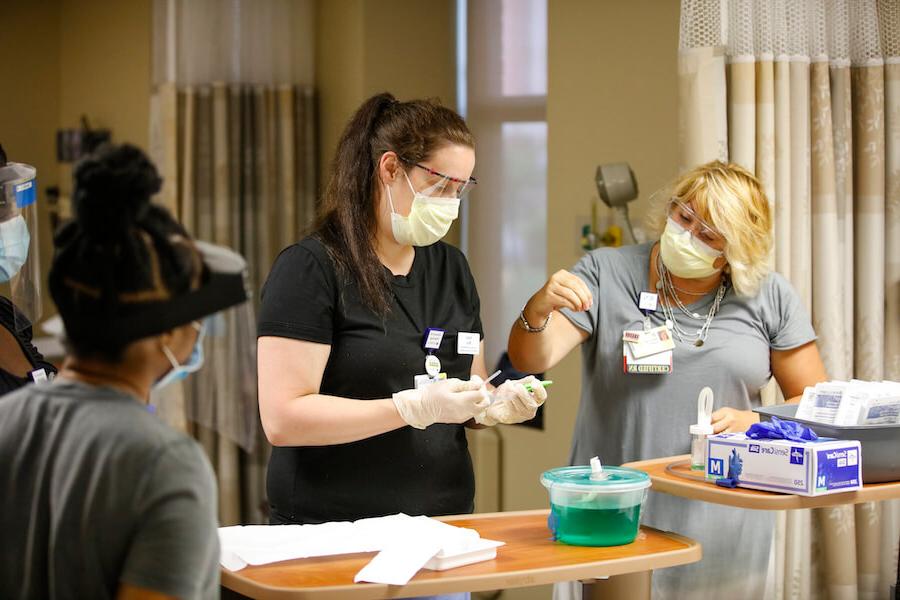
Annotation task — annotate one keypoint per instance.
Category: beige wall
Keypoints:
(363, 47)
(410, 49)
(72, 57)
(105, 63)
(406, 47)
(29, 102)
(339, 71)
(611, 96)
(105, 66)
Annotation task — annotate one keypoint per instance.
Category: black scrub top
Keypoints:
(9, 381)
(417, 472)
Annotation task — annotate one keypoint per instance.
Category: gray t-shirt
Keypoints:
(628, 417)
(98, 491)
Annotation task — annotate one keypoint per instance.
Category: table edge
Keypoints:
(692, 552)
(768, 501)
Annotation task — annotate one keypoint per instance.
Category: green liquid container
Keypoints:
(587, 510)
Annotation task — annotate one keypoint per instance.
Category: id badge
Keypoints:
(649, 342)
(468, 343)
(420, 381)
(659, 363)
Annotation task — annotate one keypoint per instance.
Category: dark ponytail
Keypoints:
(347, 219)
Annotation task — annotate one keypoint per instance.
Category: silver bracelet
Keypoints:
(525, 325)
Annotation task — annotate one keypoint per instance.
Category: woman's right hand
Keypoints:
(444, 401)
(562, 290)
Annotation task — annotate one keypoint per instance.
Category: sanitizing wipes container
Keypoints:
(588, 508)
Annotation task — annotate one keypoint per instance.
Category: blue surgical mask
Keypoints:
(193, 364)
(14, 241)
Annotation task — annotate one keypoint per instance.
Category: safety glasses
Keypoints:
(442, 185)
(685, 216)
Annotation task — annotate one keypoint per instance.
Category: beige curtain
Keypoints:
(806, 93)
(244, 177)
(233, 131)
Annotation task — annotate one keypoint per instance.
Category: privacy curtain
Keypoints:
(233, 133)
(806, 94)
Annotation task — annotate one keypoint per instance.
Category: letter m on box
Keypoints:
(717, 466)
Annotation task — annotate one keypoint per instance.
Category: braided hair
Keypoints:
(121, 255)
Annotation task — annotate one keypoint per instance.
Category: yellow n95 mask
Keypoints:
(429, 219)
(684, 255)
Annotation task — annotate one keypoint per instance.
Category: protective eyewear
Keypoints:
(442, 185)
(685, 216)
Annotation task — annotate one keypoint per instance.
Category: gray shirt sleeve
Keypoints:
(175, 549)
(588, 270)
(787, 321)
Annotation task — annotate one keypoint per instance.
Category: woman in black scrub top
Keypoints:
(370, 343)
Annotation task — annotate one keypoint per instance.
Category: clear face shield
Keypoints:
(20, 277)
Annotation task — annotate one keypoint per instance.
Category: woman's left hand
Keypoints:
(512, 403)
(732, 420)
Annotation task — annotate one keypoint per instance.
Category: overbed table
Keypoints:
(672, 475)
(529, 558)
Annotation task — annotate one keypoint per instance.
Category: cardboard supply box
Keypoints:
(802, 468)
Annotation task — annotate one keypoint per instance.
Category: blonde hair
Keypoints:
(729, 198)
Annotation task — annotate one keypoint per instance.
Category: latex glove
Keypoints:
(512, 403)
(444, 401)
(732, 420)
(776, 429)
(475, 382)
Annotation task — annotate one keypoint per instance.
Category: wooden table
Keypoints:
(529, 558)
(673, 475)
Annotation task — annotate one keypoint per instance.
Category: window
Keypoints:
(504, 91)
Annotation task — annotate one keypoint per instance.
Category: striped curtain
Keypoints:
(806, 94)
(233, 133)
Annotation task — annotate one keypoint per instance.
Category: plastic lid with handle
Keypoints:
(582, 479)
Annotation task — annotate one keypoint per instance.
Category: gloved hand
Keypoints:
(512, 403)
(444, 401)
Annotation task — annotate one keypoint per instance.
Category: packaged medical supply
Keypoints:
(821, 403)
(883, 405)
(880, 443)
(805, 468)
(588, 508)
(854, 403)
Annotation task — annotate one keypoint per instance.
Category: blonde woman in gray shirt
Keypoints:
(735, 324)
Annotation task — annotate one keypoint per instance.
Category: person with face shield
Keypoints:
(20, 282)
(705, 293)
(102, 499)
(370, 346)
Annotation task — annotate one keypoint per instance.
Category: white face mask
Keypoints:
(430, 218)
(684, 255)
